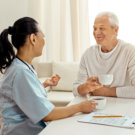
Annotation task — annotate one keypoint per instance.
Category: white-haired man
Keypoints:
(109, 56)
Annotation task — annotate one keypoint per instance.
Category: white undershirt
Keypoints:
(108, 54)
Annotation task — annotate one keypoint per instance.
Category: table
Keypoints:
(71, 126)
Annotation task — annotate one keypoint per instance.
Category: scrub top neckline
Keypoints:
(31, 68)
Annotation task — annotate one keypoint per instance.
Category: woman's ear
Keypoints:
(32, 38)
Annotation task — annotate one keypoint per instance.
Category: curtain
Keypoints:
(66, 27)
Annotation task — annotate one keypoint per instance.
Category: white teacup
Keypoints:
(100, 100)
(105, 79)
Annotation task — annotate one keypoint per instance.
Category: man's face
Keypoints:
(103, 32)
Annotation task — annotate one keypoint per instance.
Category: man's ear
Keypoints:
(116, 29)
(32, 38)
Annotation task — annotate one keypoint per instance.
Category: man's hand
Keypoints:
(53, 81)
(89, 86)
(104, 91)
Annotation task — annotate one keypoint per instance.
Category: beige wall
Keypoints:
(11, 10)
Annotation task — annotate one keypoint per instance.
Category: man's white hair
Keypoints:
(111, 16)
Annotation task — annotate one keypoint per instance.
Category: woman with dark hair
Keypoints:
(24, 106)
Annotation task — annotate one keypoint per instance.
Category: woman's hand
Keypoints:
(66, 111)
(53, 81)
(88, 106)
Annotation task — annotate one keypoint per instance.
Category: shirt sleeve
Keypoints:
(81, 78)
(30, 96)
(129, 91)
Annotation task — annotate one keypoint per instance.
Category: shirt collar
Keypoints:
(107, 55)
(26, 65)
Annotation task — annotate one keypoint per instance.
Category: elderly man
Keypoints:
(109, 56)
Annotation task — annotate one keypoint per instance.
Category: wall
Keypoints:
(11, 10)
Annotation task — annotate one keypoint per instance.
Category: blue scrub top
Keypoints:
(23, 101)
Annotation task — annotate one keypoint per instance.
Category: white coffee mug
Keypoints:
(100, 100)
(105, 79)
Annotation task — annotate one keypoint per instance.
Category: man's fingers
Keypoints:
(57, 76)
(93, 79)
(93, 88)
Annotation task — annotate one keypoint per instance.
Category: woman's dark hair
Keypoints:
(19, 32)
